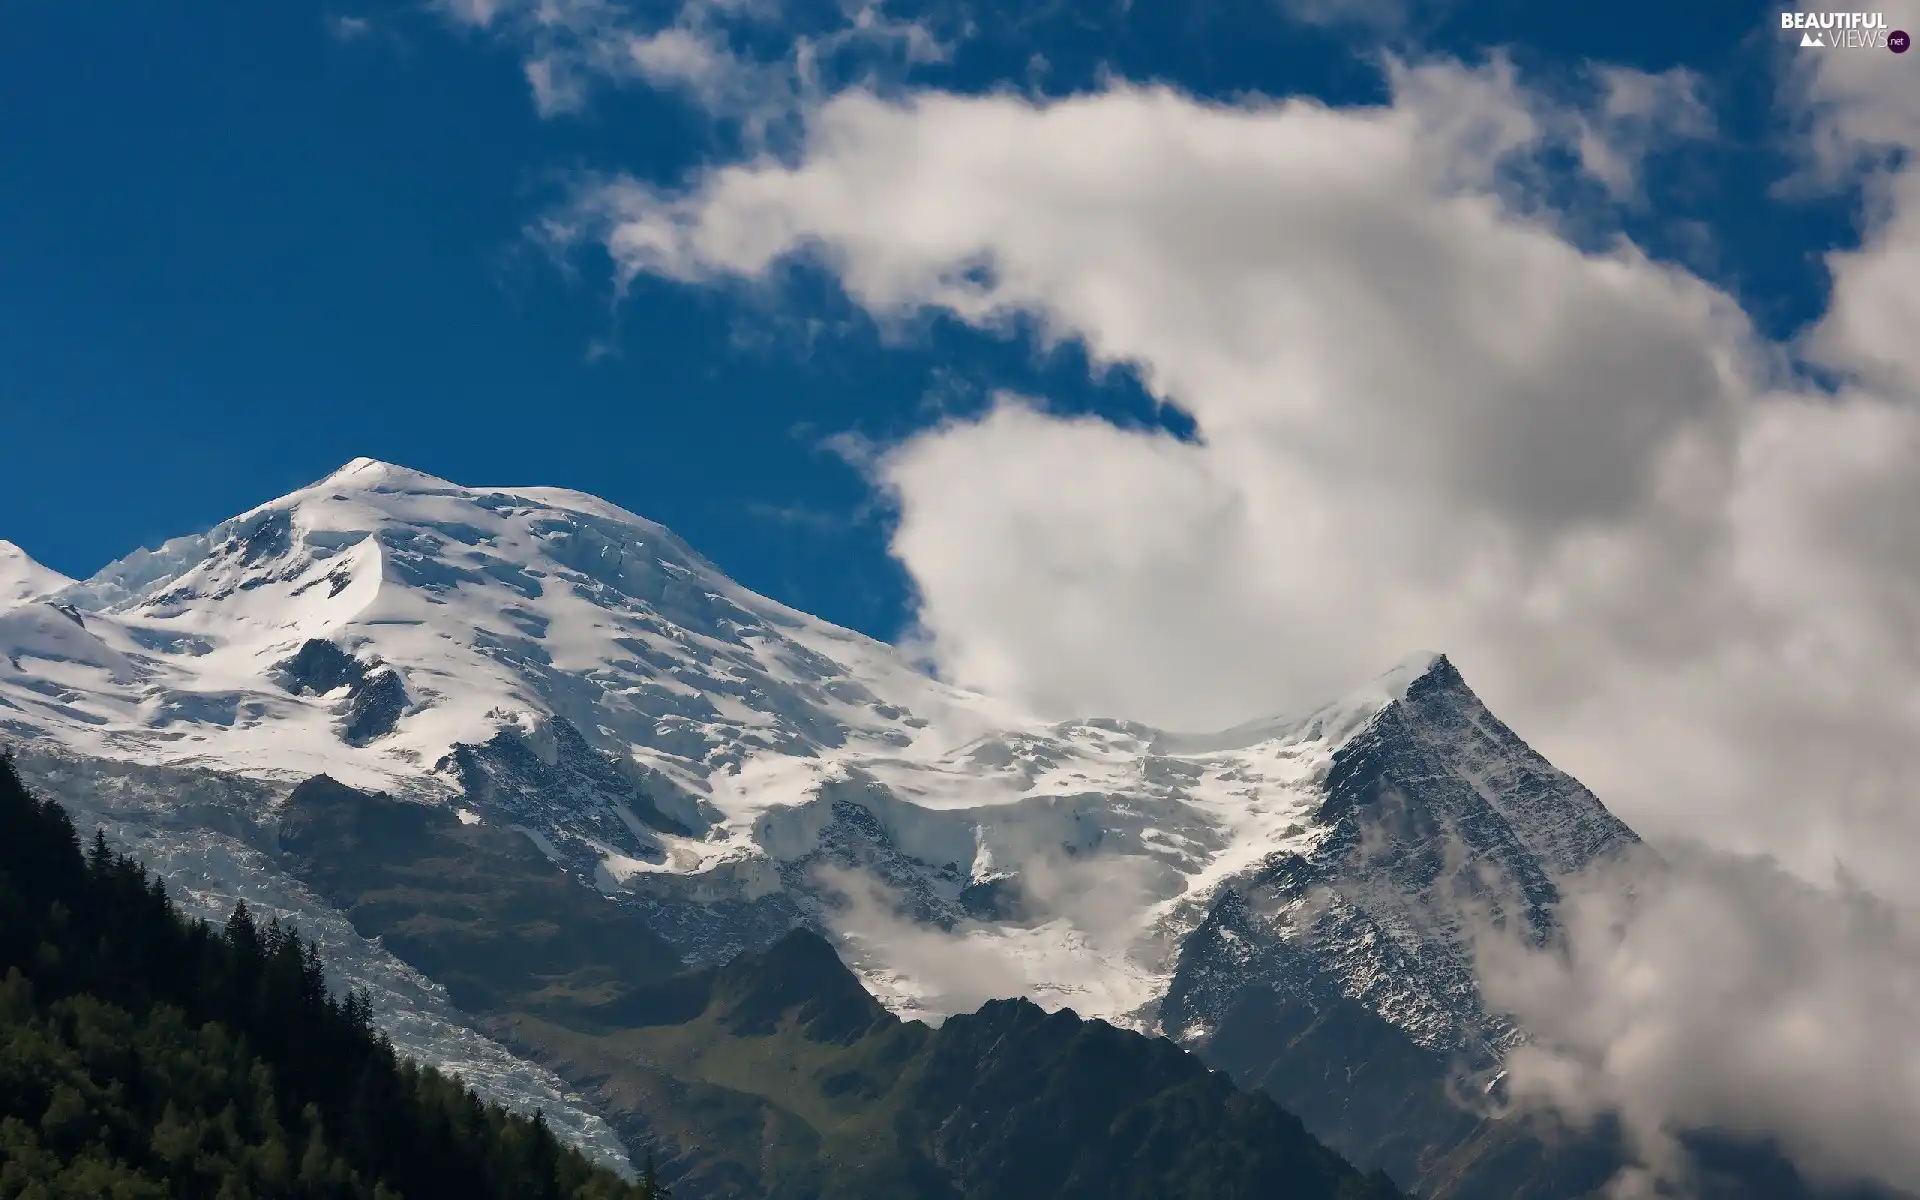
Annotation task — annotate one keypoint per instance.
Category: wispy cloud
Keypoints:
(817, 521)
(703, 50)
(1639, 114)
(1380, 15)
(349, 29)
(946, 971)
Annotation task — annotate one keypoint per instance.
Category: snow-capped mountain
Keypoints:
(542, 660)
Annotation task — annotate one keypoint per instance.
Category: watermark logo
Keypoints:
(1845, 31)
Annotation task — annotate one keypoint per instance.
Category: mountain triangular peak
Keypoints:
(1438, 727)
(1346, 953)
(1332, 722)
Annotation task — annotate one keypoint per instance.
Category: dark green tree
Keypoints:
(650, 1186)
(143, 1055)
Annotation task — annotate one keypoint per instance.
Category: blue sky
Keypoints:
(241, 248)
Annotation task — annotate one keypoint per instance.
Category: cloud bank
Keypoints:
(1714, 992)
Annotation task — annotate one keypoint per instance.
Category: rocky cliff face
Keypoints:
(1346, 969)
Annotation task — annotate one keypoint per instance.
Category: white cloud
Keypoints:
(570, 48)
(946, 972)
(1857, 115)
(1719, 992)
(1383, 15)
(348, 29)
(1639, 113)
(477, 13)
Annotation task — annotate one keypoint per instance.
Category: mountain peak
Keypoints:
(1336, 721)
(374, 473)
(1417, 674)
(1414, 668)
(21, 578)
(1434, 728)
(802, 977)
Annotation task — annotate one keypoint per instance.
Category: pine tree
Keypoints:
(650, 1186)
(241, 931)
(144, 1056)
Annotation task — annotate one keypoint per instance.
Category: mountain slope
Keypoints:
(1341, 979)
(829, 1095)
(212, 838)
(777, 1074)
(768, 1076)
(142, 1055)
(813, 1089)
(477, 909)
(23, 579)
(695, 1067)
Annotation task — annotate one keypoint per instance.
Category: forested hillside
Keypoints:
(144, 1055)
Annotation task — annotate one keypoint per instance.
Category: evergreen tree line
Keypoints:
(146, 1055)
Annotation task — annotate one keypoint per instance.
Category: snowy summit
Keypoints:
(23, 579)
